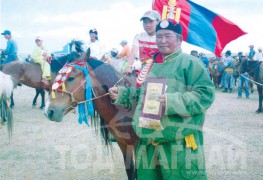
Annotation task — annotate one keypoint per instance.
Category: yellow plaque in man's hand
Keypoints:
(152, 108)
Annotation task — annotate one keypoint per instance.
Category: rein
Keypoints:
(251, 80)
(74, 103)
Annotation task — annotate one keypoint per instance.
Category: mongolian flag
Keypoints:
(201, 27)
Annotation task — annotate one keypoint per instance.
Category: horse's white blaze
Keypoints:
(6, 84)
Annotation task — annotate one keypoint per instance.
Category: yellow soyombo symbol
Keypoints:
(171, 11)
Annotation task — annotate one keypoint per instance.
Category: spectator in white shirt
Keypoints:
(96, 48)
(259, 55)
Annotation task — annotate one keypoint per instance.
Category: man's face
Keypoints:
(39, 42)
(149, 26)
(167, 41)
(92, 36)
(7, 36)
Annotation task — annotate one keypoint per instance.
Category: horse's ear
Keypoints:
(87, 54)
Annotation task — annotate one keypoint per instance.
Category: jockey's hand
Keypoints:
(128, 70)
(113, 92)
(162, 99)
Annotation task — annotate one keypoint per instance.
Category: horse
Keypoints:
(254, 69)
(30, 73)
(117, 120)
(5, 94)
(215, 74)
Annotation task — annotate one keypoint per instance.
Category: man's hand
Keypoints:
(128, 70)
(113, 92)
(162, 99)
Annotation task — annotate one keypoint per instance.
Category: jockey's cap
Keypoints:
(38, 38)
(153, 15)
(123, 42)
(114, 50)
(6, 32)
(93, 31)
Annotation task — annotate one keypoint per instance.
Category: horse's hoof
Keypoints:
(41, 107)
(34, 105)
(12, 106)
(259, 111)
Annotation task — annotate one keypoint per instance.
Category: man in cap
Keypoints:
(126, 50)
(96, 48)
(259, 55)
(41, 56)
(11, 48)
(176, 150)
(145, 42)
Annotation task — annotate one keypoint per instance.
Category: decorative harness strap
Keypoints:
(144, 72)
(60, 82)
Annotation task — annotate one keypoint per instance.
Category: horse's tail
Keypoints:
(6, 114)
(6, 90)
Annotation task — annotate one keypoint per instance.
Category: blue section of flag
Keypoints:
(200, 30)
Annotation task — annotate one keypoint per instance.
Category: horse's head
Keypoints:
(75, 81)
(249, 66)
(68, 90)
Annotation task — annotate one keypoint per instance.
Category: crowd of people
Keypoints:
(225, 73)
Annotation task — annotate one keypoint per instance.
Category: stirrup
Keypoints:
(45, 82)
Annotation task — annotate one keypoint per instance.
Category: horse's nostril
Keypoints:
(50, 113)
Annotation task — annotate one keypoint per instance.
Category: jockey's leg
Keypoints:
(35, 98)
(42, 93)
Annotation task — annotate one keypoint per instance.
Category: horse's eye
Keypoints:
(70, 79)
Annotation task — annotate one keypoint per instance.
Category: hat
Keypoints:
(6, 32)
(93, 31)
(251, 45)
(240, 53)
(123, 42)
(228, 52)
(114, 50)
(38, 38)
(170, 24)
(153, 15)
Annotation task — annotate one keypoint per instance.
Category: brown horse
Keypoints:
(30, 74)
(118, 121)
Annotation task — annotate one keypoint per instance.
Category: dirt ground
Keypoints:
(41, 149)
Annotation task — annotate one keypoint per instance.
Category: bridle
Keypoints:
(74, 103)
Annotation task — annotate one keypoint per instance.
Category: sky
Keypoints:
(60, 21)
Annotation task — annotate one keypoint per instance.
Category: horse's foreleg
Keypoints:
(128, 152)
(42, 93)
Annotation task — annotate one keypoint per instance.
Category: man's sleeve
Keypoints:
(198, 96)
(8, 46)
(127, 97)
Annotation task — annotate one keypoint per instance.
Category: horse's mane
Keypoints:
(78, 46)
(57, 64)
(252, 67)
(105, 73)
